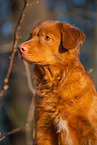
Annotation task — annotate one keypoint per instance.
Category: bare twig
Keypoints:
(13, 131)
(36, 2)
(31, 88)
(90, 71)
(30, 116)
(29, 134)
(5, 86)
(2, 138)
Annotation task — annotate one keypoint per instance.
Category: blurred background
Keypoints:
(14, 105)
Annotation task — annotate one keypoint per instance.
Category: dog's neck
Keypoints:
(51, 75)
(55, 74)
(62, 81)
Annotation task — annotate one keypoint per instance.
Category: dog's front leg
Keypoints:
(45, 132)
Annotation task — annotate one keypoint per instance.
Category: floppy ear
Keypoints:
(71, 36)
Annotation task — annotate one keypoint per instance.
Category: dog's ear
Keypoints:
(71, 36)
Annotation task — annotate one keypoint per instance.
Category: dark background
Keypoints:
(16, 100)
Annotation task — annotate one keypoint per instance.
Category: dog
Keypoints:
(66, 99)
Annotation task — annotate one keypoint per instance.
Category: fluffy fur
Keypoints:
(66, 99)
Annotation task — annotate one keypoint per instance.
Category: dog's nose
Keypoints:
(22, 48)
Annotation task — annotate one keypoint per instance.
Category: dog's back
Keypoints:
(66, 100)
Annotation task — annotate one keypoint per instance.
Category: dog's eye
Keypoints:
(47, 38)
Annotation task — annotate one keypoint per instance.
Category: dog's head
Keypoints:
(50, 42)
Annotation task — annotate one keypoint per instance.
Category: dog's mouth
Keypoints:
(22, 57)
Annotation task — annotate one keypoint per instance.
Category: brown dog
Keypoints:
(66, 100)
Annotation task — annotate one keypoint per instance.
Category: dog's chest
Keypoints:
(55, 108)
(62, 128)
(53, 103)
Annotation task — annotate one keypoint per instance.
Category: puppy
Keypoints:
(66, 99)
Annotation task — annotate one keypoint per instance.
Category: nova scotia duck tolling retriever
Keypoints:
(66, 99)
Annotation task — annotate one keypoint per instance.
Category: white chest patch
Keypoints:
(62, 126)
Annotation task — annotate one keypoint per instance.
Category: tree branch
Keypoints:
(13, 131)
(30, 116)
(5, 86)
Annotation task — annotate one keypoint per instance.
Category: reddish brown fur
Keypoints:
(65, 90)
